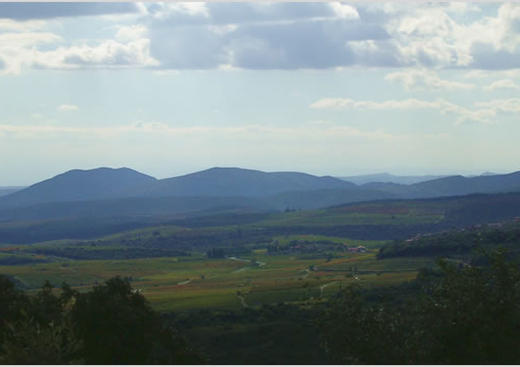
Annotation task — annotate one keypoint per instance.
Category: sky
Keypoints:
(325, 88)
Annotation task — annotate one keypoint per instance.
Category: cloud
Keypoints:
(67, 108)
(502, 84)
(327, 35)
(160, 129)
(341, 103)
(276, 35)
(431, 37)
(461, 8)
(10, 25)
(19, 50)
(106, 54)
(483, 114)
(424, 79)
(177, 10)
(502, 105)
(25, 11)
(261, 36)
(344, 11)
(131, 33)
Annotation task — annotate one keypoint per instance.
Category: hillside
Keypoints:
(108, 184)
(6, 190)
(243, 182)
(376, 220)
(452, 186)
(461, 243)
(107, 192)
(460, 185)
(388, 178)
(78, 185)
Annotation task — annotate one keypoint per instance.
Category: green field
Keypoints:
(196, 282)
(296, 257)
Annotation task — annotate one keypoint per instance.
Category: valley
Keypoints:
(224, 269)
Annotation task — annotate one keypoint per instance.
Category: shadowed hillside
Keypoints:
(76, 185)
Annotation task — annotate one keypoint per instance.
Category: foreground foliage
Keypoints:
(111, 324)
(463, 315)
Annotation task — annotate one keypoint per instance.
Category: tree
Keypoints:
(464, 315)
(111, 324)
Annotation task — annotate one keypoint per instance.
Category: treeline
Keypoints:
(462, 315)
(304, 246)
(20, 260)
(81, 228)
(222, 252)
(111, 324)
(456, 243)
(82, 253)
(197, 239)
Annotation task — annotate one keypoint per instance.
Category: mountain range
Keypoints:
(6, 190)
(126, 192)
(388, 178)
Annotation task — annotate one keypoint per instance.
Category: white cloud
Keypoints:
(162, 129)
(461, 7)
(492, 74)
(17, 50)
(502, 84)
(339, 103)
(344, 11)
(67, 108)
(424, 79)
(431, 37)
(166, 10)
(483, 114)
(205, 35)
(21, 49)
(9, 25)
(109, 53)
(222, 29)
(502, 105)
(131, 33)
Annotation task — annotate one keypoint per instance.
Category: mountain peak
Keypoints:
(78, 184)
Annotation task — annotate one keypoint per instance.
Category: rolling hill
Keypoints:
(452, 186)
(80, 185)
(388, 178)
(6, 190)
(242, 182)
(123, 192)
(109, 184)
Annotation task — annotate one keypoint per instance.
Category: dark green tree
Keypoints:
(111, 324)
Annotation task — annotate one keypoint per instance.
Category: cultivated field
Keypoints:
(197, 282)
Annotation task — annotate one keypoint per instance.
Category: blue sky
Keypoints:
(324, 88)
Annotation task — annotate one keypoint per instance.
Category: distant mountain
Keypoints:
(80, 185)
(460, 185)
(6, 190)
(136, 208)
(452, 186)
(108, 184)
(487, 173)
(107, 192)
(324, 198)
(242, 182)
(388, 178)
